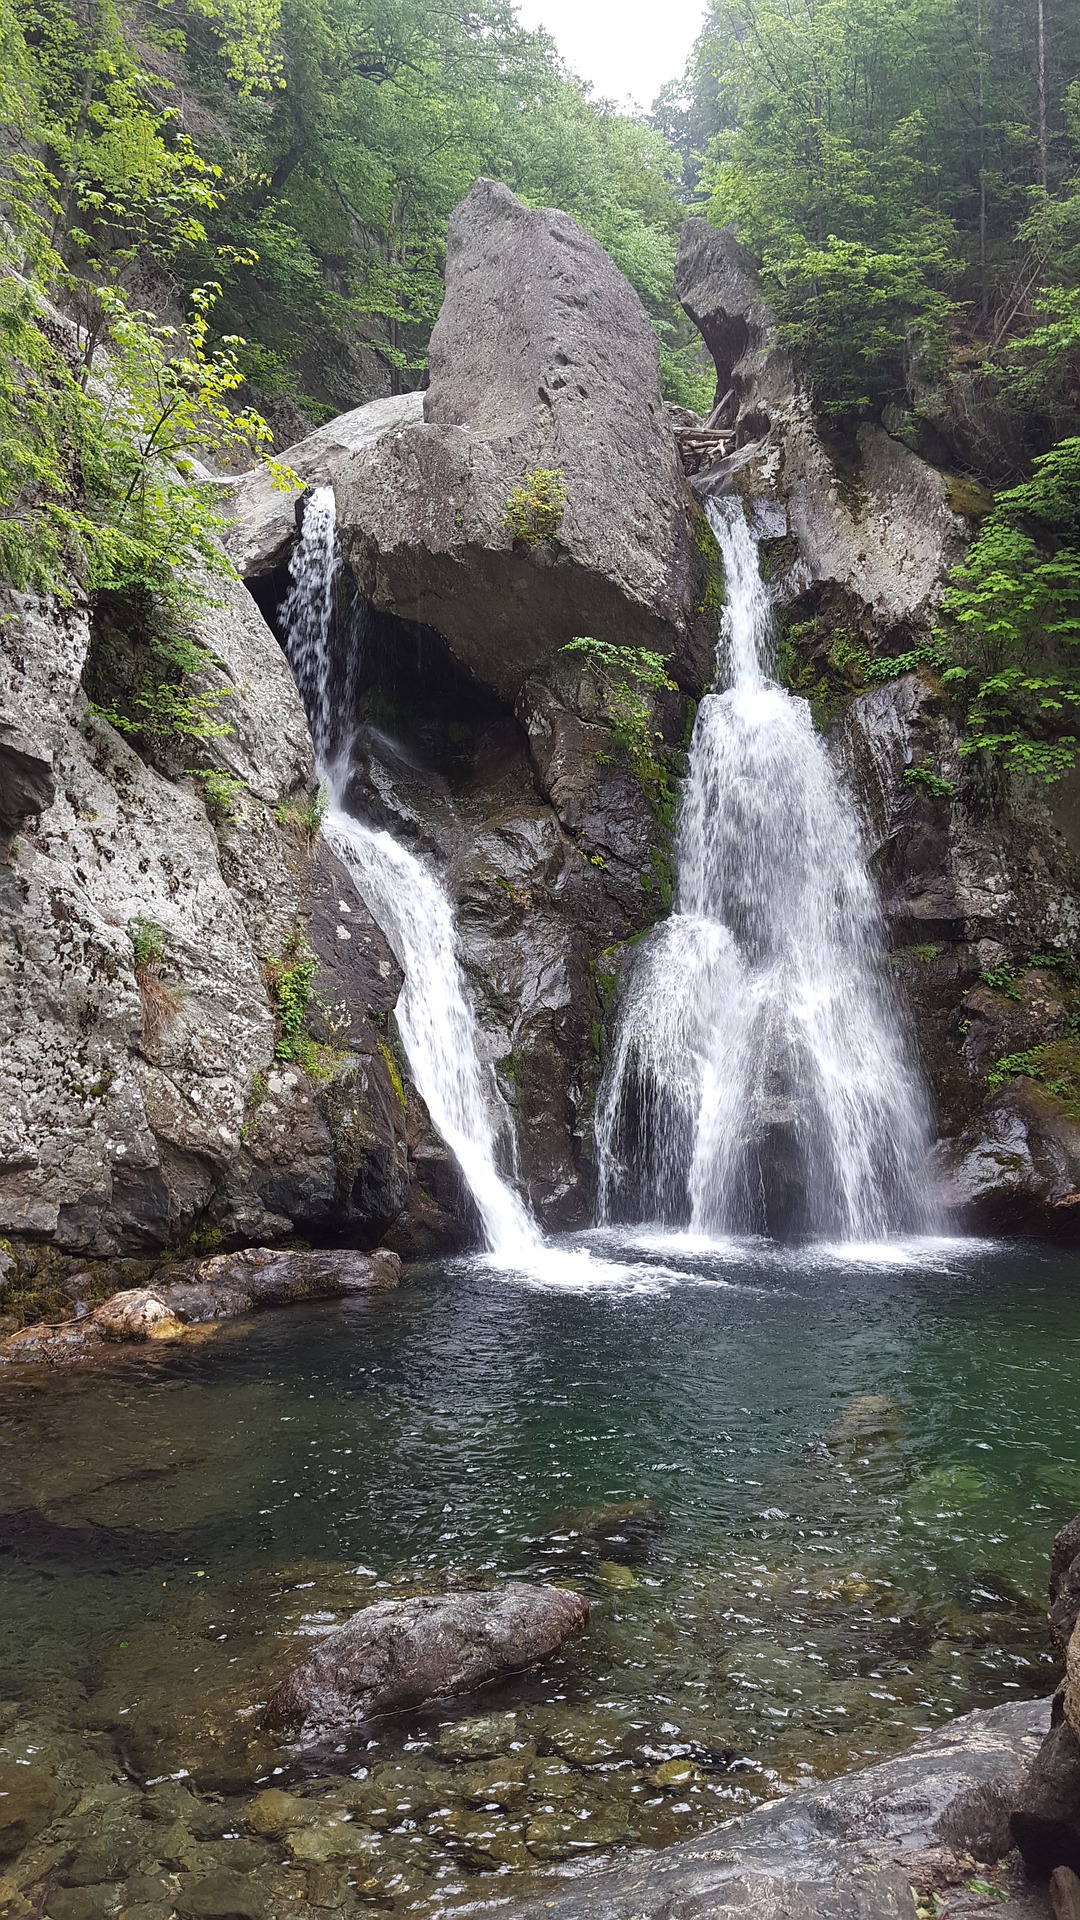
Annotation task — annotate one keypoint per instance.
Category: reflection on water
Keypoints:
(810, 1494)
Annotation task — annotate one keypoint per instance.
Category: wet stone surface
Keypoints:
(776, 1594)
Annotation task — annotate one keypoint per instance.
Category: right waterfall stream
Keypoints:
(761, 1079)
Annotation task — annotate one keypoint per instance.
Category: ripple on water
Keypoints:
(809, 1492)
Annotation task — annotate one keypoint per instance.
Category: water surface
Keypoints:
(810, 1494)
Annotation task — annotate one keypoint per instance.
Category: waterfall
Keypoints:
(435, 1017)
(760, 1079)
(307, 614)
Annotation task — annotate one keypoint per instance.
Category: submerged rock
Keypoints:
(28, 1801)
(399, 1654)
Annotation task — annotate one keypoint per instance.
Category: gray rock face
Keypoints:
(265, 517)
(884, 533)
(399, 1654)
(542, 357)
(126, 1097)
(552, 855)
(1046, 1822)
(973, 878)
(848, 1850)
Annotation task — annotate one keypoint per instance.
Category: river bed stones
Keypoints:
(28, 1800)
(400, 1654)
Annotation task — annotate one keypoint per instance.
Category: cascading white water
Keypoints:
(760, 1079)
(307, 613)
(435, 1016)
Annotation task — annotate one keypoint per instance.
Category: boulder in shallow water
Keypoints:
(401, 1654)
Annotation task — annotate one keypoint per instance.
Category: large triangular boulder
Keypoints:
(543, 357)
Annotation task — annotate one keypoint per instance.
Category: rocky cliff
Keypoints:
(153, 900)
(143, 1099)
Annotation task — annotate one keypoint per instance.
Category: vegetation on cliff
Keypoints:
(908, 176)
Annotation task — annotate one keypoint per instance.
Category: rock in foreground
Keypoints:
(223, 1288)
(851, 1849)
(400, 1654)
(1046, 1819)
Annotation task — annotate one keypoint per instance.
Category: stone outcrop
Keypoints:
(977, 879)
(553, 854)
(851, 1849)
(265, 515)
(1046, 1818)
(872, 521)
(140, 1095)
(542, 358)
(400, 1654)
(232, 1284)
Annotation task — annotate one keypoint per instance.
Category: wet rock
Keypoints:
(1065, 1584)
(264, 518)
(330, 1840)
(82, 1903)
(841, 1851)
(973, 879)
(399, 1654)
(327, 1885)
(28, 1801)
(865, 1423)
(623, 1532)
(232, 1284)
(585, 1739)
(1018, 1166)
(885, 537)
(675, 1773)
(274, 1812)
(500, 1785)
(1046, 1820)
(553, 1779)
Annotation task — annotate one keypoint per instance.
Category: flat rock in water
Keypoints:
(400, 1654)
(847, 1850)
(232, 1284)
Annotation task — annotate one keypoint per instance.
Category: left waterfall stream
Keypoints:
(435, 1015)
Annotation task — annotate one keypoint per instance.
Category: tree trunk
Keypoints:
(1044, 168)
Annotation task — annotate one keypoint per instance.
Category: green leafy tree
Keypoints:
(1011, 620)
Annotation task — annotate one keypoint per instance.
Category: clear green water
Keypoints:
(810, 1497)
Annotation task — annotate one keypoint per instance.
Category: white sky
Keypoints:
(627, 48)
